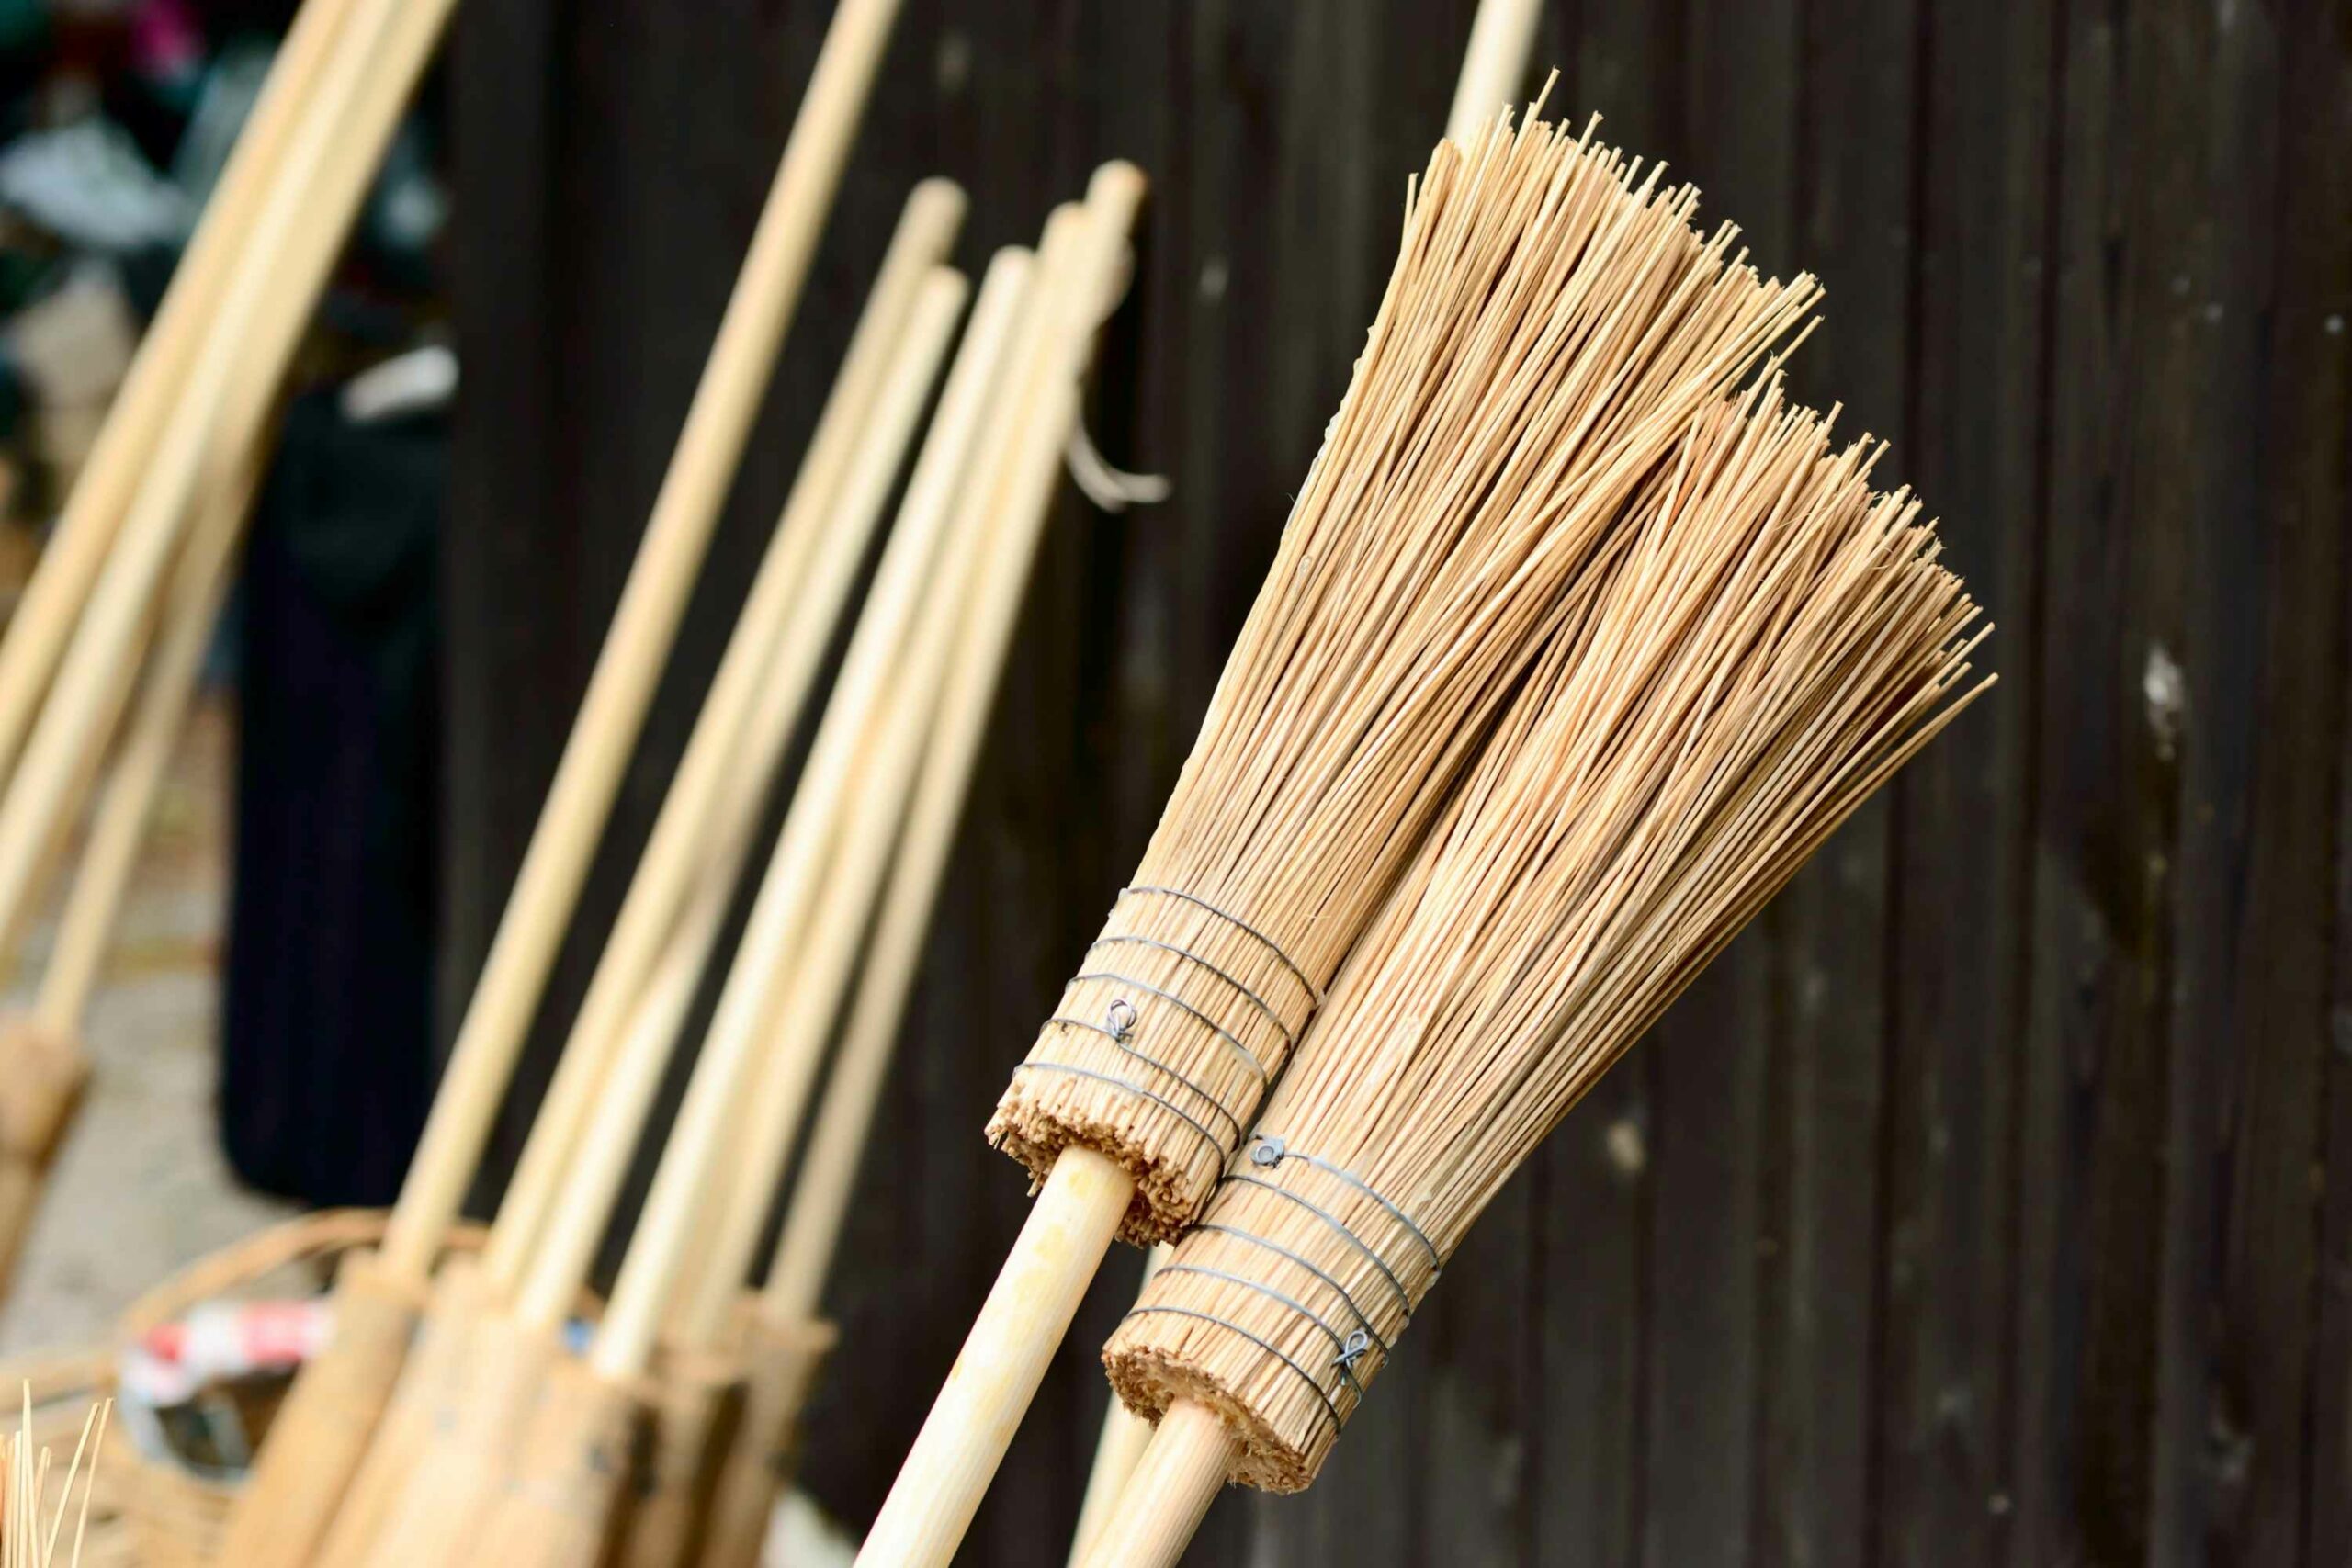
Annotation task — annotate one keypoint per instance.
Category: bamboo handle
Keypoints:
(747, 719)
(86, 929)
(283, 267)
(561, 1265)
(945, 520)
(643, 626)
(44, 617)
(1494, 66)
(1182, 1471)
(1117, 1452)
(1004, 1357)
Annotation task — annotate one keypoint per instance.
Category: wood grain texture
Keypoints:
(1991, 1201)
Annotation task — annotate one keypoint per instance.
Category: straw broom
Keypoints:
(1494, 66)
(322, 1430)
(783, 1341)
(70, 562)
(1774, 644)
(453, 1419)
(44, 1049)
(560, 1505)
(1552, 323)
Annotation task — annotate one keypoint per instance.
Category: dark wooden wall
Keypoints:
(1992, 1200)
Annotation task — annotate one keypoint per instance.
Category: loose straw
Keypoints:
(70, 562)
(1551, 324)
(1773, 643)
(322, 1430)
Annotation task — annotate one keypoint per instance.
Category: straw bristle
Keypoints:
(1551, 325)
(1769, 644)
(26, 1538)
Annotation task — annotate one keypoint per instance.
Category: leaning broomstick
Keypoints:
(321, 1433)
(1773, 643)
(1551, 325)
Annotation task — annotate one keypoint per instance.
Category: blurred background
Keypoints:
(1989, 1201)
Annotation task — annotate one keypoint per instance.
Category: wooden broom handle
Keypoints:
(559, 1266)
(1494, 67)
(70, 562)
(611, 712)
(947, 521)
(747, 719)
(1182, 1470)
(86, 930)
(278, 276)
(1004, 1357)
(1117, 1452)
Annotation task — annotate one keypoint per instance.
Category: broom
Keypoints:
(1552, 323)
(322, 1429)
(24, 1471)
(455, 1475)
(1775, 642)
(784, 1342)
(558, 1505)
(76, 549)
(450, 1422)
(1494, 66)
(45, 1048)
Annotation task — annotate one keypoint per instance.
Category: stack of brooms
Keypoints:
(1571, 655)
(104, 647)
(448, 1421)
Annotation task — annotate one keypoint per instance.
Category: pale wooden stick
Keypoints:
(320, 1431)
(755, 703)
(560, 1263)
(192, 608)
(1082, 1202)
(942, 502)
(1494, 68)
(278, 274)
(635, 649)
(1180, 1475)
(44, 617)
(749, 1474)
(1117, 1452)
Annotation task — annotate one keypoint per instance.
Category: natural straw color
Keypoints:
(1771, 644)
(44, 615)
(755, 701)
(314, 1447)
(1551, 326)
(1494, 66)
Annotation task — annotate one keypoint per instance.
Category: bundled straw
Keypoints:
(1774, 642)
(1551, 325)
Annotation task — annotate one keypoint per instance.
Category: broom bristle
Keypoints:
(1550, 327)
(1772, 643)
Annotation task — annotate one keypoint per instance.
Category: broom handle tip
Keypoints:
(1181, 1472)
(1004, 1357)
